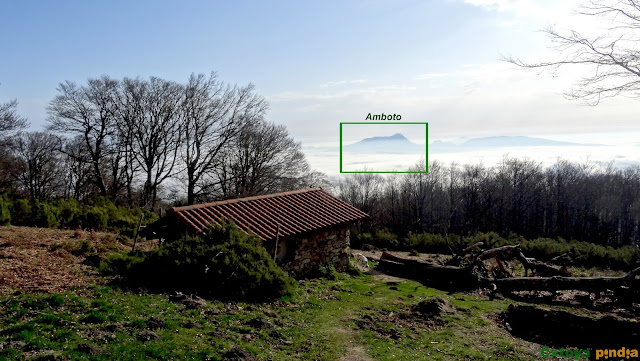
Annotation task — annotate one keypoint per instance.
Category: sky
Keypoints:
(320, 63)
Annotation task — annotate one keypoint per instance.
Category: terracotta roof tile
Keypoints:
(295, 212)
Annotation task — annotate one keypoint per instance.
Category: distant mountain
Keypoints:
(399, 144)
(395, 144)
(517, 141)
(498, 142)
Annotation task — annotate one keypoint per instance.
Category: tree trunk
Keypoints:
(557, 283)
(448, 277)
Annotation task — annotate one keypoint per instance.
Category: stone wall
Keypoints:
(327, 247)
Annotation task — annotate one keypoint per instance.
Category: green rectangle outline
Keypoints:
(426, 145)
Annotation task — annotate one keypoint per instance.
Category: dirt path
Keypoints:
(355, 351)
(383, 277)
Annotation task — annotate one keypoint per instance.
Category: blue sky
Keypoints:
(318, 62)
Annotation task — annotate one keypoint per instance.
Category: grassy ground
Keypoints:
(361, 317)
(326, 320)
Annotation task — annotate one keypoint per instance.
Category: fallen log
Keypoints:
(429, 273)
(465, 255)
(472, 247)
(625, 284)
(506, 253)
(541, 268)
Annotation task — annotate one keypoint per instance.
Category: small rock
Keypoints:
(247, 337)
(89, 349)
(193, 303)
(238, 354)
(17, 344)
(276, 334)
(154, 323)
(50, 356)
(191, 324)
(188, 302)
(148, 336)
(433, 307)
(259, 323)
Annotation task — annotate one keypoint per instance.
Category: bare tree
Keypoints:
(37, 164)
(262, 159)
(364, 191)
(213, 113)
(148, 112)
(88, 111)
(10, 121)
(130, 168)
(76, 169)
(611, 60)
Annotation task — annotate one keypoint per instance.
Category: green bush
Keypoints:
(224, 263)
(120, 264)
(379, 239)
(385, 239)
(5, 213)
(329, 272)
(357, 239)
(43, 215)
(428, 243)
(95, 218)
(98, 214)
(367, 247)
(353, 270)
(69, 213)
(21, 213)
(583, 254)
(84, 247)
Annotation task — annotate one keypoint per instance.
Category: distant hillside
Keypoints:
(399, 144)
(498, 142)
(394, 144)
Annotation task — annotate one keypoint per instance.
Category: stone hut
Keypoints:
(310, 225)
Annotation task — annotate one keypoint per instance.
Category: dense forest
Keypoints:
(584, 202)
(137, 142)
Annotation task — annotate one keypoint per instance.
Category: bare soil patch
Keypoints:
(355, 351)
(424, 316)
(429, 257)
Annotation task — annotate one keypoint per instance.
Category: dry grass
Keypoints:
(48, 260)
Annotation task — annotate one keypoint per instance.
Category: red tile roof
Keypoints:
(295, 212)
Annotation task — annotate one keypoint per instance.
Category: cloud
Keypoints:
(508, 23)
(363, 92)
(544, 11)
(341, 82)
(519, 7)
(428, 76)
(467, 101)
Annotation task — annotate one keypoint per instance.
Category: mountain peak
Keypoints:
(398, 136)
(396, 143)
(394, 137)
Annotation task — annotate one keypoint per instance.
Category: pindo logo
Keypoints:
(623, 352)
(601, 354)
